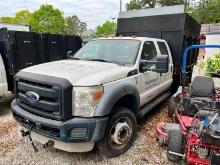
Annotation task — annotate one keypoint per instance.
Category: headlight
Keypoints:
(85, 100)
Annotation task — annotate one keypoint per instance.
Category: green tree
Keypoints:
(23, 17)
(74, 26)
(206, 11)
(48, 19)
(134, 4)
(106, 29)
(138, 4)
(7, 19)
(170, 2)
(149, 3)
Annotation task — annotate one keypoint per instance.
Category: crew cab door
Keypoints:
(166, 79)
(149, 80)
(3, 79)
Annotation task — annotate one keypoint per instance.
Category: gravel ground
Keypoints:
(17, 150)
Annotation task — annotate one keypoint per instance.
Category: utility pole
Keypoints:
(185, 5)
(120, 5)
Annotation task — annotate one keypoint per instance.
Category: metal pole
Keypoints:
(120, 5)
(185, 57)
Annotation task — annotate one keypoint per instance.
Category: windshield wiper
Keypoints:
(101, 60)
(75, 58)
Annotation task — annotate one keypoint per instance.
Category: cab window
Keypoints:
(149, 51)
(163, 48)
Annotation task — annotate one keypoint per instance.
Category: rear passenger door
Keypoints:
(165, 78)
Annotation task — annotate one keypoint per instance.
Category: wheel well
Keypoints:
(130, 102)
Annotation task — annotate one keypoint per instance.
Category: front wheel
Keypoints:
(120, 133)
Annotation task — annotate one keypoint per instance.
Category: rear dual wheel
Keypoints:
(120, 133)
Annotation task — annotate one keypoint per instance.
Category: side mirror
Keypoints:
(161, 64)
(69, 54)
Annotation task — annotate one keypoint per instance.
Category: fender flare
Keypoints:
(113, 95)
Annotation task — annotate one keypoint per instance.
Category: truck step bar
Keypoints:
(146, 108)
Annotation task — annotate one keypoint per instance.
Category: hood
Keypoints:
(82, 73)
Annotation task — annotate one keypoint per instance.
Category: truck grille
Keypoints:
(49, 104)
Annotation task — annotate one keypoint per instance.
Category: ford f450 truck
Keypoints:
(96, 96)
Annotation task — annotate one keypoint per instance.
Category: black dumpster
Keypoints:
(24, 49)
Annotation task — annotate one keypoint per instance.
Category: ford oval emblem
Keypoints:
(32, 96)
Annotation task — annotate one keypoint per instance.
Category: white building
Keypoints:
(212, 38)
(14, 27)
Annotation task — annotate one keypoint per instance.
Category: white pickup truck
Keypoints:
(96, 96)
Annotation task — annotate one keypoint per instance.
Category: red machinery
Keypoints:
(191, 138)
(195, 133)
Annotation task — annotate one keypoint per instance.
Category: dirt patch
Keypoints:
(8, 145)
(7, 127)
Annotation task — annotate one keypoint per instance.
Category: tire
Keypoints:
(175, 142)
(160, 142)
(172, 105)
(109, 145)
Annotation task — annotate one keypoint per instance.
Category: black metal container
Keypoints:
(20, 50)
(179, 30)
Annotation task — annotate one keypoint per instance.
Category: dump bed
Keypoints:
(169, 23)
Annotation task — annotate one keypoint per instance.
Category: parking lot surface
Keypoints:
(17, 150)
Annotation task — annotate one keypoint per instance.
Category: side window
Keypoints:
(149, 51)
(163, 48)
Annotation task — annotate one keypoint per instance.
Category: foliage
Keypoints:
(74, 26)
(22, 17)
(134, 4)
(170, 2)
(7, 19)
(206, 11)
(149, 3)
(212, 64)
(138, 4)
(106, 29)
(48, 19)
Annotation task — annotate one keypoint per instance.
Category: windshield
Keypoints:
(121, 52)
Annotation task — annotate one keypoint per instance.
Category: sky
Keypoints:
(93, 12)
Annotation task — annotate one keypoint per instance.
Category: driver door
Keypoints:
(149, 80)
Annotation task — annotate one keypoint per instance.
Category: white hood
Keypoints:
(82, 73)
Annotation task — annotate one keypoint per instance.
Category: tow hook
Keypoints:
(24, 133)
(28, 133)
(49, 143)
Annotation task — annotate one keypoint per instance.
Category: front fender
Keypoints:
(111, 97)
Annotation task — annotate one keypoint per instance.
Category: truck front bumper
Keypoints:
(74, 135)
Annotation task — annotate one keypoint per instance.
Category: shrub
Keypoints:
(212, 64)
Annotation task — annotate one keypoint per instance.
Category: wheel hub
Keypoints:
(121, 134)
